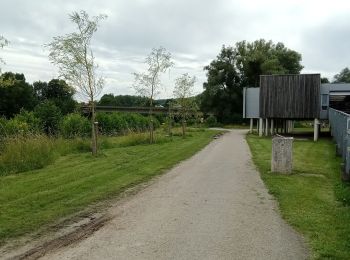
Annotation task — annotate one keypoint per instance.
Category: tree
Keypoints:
(324, 80)
(182, 92)
(3, 42)
(241, 66)
(58, 91)
(148, 84)
(264, 58)
(343, 76)
(74, 57)
(15, 94)
(222, 92)
(123, 101)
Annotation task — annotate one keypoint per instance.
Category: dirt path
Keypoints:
(212, 206)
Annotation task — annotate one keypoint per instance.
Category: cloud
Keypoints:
(193, 31)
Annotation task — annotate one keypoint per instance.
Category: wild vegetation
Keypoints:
(313, 199)
(75, 180)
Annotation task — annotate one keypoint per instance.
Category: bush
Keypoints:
(117, 123)
(75, 125)
(30, 119)
(49, 115)
(211, 121)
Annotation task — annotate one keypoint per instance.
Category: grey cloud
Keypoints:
(193, 31)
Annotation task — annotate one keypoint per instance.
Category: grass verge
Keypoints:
(36, 198)
(312, 199)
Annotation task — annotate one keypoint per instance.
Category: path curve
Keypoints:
(212, 206)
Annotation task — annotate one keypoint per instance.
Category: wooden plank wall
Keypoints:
(290, 96)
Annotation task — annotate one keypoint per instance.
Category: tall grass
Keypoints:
(22, 153)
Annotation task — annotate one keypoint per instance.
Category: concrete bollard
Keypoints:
(282, 154)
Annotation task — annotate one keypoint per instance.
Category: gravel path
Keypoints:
(212, 206)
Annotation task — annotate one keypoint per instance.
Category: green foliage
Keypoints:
(49, 115)
(24, 123)
(343, 76)
(57, 91)
(211, 121)
(238, 67)
(123, 101)
(75, 125)
(15, 94)
(324, 80)
(120, 123)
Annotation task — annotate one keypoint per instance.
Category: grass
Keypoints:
(313, 199)
(33, 199)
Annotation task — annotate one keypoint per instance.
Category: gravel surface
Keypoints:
(212, 206)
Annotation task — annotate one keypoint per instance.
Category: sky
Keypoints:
(192, 30)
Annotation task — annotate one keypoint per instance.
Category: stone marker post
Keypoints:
(282, 154)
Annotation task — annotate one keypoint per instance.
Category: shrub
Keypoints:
(49, 115)
(30, 119)
(75, 125)
(117, 123)
(211, 121)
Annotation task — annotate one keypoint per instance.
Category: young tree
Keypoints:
(74, 57)
(3, 42)
(148, 83)
(183, 92)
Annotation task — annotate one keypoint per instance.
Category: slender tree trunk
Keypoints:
(151, 135)
(93, 130)
(183, 127)
(169, 122)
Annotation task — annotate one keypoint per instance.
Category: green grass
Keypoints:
(312, 199)
(36, 198)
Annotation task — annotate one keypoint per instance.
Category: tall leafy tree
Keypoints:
(57, 91)
(324, 80)
(73, 55)
(241, 66)
(222, 92)
(264, 57)
(15, 94)
(148, 84)
(343, 76)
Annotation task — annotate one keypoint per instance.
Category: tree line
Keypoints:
(235, 67)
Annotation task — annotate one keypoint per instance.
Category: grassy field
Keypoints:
(33, 199)
(312, 199)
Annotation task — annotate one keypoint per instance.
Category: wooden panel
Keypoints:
(290, 96)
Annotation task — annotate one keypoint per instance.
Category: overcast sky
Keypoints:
(192, 30)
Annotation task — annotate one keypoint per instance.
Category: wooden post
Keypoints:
(251, 126)
(260, 126)
(257, 125)
(266, 127)
(272, 129)
(316, 123)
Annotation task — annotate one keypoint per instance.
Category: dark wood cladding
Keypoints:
(290, 96)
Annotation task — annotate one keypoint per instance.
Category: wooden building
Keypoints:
(282, 99)
(290, 96)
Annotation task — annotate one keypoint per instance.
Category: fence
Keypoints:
(340, 130)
